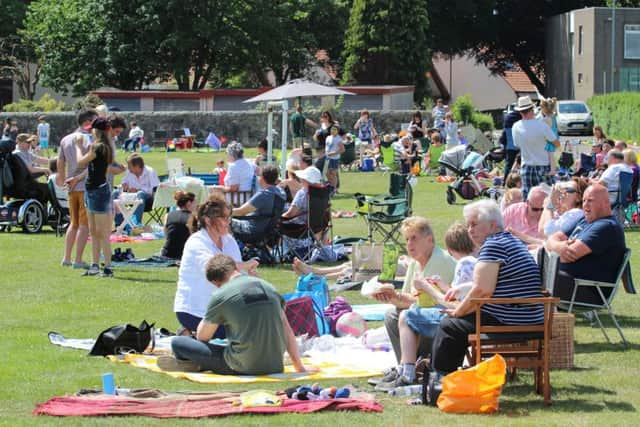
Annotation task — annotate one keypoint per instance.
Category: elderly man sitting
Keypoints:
(610, 178)
(591, 249)
(426, 260)
(141, 180)
(521, 219)
(505, 269)
(260, 209)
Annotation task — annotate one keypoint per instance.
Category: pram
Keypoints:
(28, 206)
(466, 164)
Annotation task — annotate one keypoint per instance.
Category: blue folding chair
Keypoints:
(623, 196)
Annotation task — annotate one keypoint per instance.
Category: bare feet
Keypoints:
(300, 267)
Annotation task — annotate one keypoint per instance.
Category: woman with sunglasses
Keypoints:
(210, 236)
(563, 206)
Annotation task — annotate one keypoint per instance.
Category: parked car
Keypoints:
(574, 117)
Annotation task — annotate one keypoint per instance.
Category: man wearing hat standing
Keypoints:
(530, 136)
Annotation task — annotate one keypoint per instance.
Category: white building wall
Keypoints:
(488, 92)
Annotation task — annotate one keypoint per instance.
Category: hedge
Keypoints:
(617, 113)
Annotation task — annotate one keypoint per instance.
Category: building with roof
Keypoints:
(593, 51)
(461, 75)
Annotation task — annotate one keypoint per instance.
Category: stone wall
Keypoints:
(247, 127)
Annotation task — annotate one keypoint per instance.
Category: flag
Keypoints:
(213, 141)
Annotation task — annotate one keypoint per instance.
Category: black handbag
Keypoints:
(123, 339)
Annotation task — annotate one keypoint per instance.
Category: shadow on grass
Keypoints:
(605, 347)
(515, 408)
(143, 279)
(625, 321)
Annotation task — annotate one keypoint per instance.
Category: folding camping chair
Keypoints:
(623, 197)
(269, 239)
(318, 225)
(384, 213)
(623, 275)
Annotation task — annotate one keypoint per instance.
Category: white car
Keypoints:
(574, 117)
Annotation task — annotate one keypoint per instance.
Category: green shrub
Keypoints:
(482, 121)
(90, 101)
(615, 112)
(463, 109)
(44, 104)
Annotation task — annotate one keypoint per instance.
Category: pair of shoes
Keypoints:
(94, 270)
(80, 265)
(389, 375)
(128, 255)
(170, 363)
(399, 381)
(66, 263)
(107, 272)
(120, 256)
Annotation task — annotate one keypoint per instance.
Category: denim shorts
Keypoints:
(424, 320)
(98, 200)
(334, 164)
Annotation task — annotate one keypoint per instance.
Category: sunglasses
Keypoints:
(569, 190)
(536, 209)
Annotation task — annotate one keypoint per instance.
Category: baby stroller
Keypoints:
(28, 206)
(466, 184)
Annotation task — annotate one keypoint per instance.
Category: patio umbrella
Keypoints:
(298, 88)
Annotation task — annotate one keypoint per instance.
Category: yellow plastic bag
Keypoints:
(474, 390)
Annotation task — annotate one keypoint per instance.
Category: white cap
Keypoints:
(311, 174)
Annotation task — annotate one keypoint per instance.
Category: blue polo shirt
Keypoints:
(605, 238)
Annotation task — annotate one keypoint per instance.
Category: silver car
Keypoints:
(574, 117)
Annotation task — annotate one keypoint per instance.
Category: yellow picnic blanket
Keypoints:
(328, 370)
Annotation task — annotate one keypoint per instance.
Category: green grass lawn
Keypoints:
(40, 296)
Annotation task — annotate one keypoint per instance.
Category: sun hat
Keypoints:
(311, 174)
(524, 103)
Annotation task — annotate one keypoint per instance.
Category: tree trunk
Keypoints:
(532, 76)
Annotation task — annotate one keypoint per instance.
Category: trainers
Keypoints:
(170, 363)
(107, 272)
(80, 265)
(66, 263)
(389, 375)
(94, 270)
(399, 381)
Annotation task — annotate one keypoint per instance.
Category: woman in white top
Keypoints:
(240, 174)
(210, 236)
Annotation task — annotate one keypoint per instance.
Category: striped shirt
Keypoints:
(518, 277)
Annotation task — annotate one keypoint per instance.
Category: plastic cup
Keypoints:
(108, 384)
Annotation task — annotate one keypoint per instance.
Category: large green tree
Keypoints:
(386, 43)
(18, 61)
(500, 33)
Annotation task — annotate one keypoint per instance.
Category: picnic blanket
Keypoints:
(191, 406)
(151, 262)
(345, 357)
(327, 370)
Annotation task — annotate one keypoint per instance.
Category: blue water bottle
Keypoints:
(108, 384)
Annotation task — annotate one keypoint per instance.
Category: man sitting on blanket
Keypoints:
(251, 311)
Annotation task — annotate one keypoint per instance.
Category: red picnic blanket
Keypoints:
(186, 407)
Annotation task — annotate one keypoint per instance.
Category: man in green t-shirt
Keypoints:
(251, 311)
(299, 122)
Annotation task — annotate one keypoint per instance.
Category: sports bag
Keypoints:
(123, 339)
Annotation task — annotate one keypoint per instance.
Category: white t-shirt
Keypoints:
(146, 182)
(531, 136)
(240, 172)
(136, 131)
(611, 178)
(194, 290)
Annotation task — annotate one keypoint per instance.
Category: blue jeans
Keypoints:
(209, 357)
(191, 322)
(137, 214)
(424, 320)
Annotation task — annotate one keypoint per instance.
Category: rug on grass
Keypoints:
(326, 370)
(214, 405)
(372, 312)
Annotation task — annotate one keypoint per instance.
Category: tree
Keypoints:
(386, 43)
(500, 34)
(18, 61)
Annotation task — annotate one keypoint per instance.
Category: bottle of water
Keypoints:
(407, 390)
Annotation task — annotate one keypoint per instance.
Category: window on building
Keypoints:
(632, 42)
(580, 78)
(580, 40)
